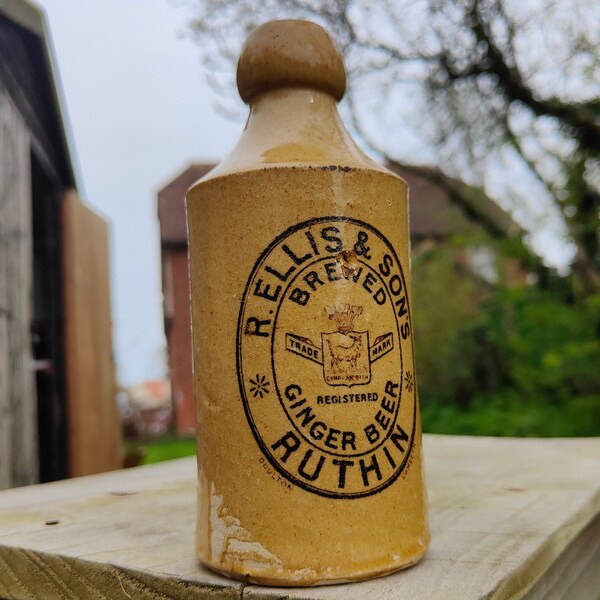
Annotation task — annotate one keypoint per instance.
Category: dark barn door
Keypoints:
(48, 326)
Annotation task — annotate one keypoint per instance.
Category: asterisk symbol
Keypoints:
(259, 386)
(410, 384)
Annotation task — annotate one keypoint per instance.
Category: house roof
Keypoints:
(171, 204)
(432, 213)
(28, 76)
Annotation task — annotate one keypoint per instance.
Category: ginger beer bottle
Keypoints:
(309, 438)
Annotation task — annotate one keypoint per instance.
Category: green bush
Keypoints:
(504, 361)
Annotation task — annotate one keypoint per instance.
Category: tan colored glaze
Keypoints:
(290, 54)
(309, 441)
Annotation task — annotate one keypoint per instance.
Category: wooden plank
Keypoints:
(18, 414)
(510, 519)
(95, 443)
(502, 512)
(576, 573)
(127, 534)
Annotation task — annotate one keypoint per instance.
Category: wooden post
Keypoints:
(18, 413)
(94, 427)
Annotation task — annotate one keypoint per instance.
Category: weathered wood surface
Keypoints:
(18, 412)
(510, 519)
(94, 427)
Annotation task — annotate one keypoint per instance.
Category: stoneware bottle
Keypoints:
(309, 439)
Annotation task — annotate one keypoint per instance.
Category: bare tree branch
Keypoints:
(475, 64)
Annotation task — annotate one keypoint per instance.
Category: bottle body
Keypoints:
(309, 441)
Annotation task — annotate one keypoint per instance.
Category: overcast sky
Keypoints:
(139, 113)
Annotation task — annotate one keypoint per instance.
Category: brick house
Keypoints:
(434, 219)
(176, 293)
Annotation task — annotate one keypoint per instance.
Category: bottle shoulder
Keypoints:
(283, 174)
(294, 128)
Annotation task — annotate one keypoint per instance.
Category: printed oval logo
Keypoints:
(324, 358)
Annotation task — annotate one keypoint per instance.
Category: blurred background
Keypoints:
(110, 110)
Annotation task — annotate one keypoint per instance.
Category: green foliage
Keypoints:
(509, 414)
(444, 306)
(504, 361)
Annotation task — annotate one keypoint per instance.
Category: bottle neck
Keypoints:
(293, 126)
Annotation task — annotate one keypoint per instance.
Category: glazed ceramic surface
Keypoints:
(309, 439)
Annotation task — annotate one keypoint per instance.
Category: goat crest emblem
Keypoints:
(345, 354)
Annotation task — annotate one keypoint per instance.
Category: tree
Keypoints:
(500, 93)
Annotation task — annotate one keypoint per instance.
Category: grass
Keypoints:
(167, 448)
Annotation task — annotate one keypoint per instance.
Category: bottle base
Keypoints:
(307, 577)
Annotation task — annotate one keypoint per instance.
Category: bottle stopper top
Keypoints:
(291, 53)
